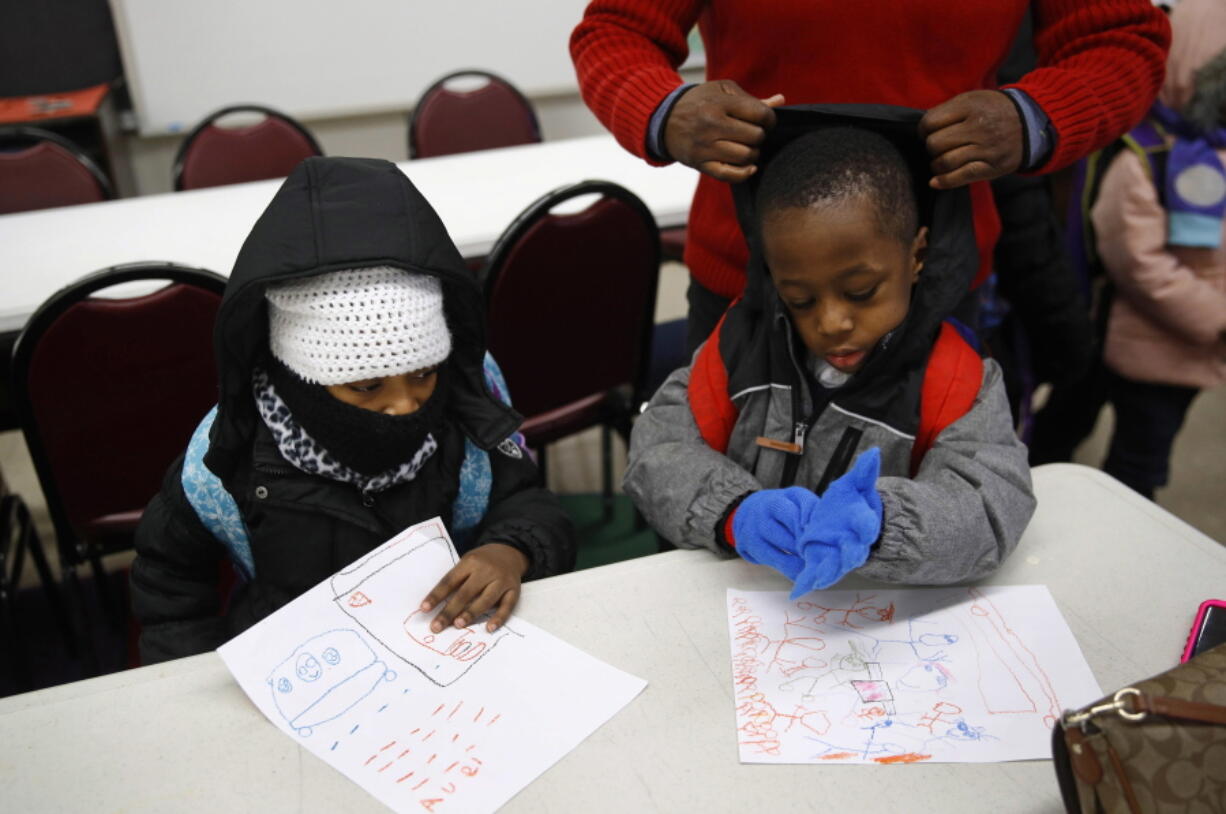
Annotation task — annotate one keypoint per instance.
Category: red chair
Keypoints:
(212, 155)
(570, 304)
(40, 169)
(108, 392)
(470, 110)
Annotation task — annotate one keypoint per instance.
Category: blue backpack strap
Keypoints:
(476, 474)
(215, 506)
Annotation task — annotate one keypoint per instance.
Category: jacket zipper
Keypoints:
(801, 428)
(843, 452)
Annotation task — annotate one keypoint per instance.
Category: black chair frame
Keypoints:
(493, 77)
(18, 537)
(72, 550)
(29, 136)
(181, 153)
(622, 414)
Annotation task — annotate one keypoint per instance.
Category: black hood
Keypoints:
(342, 213)
(758, 322)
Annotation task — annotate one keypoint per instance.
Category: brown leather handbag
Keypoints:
(1156, 746)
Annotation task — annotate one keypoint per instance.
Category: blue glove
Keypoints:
(841, 533)
(767, 526)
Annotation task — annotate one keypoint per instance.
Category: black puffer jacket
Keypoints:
(330, 214)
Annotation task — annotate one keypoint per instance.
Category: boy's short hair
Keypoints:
(832, 165)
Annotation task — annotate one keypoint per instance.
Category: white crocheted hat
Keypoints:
(356, 324)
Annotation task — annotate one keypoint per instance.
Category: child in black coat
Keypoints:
(355, 401)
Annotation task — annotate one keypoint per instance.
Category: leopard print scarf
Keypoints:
(306, 454)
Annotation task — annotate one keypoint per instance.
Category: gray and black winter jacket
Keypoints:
(953, 514)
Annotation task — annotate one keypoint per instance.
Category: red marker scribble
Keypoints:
(402, 754)
(389, 746)
(436, 709)
(404, 778)
(452, 766)
(494, 719)
(357, 599)
(480, 712)
(454, 711)
(907, 757)
(389, 763)
(422, 783)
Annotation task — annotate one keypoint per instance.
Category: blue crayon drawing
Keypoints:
(324, 678)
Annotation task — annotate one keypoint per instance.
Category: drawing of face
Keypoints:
(323, 677)
(308, 668)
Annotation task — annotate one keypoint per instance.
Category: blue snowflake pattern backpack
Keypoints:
(219, 512)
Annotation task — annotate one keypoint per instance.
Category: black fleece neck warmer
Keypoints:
(363, 440)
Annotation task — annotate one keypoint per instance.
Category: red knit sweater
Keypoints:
(1101, 65)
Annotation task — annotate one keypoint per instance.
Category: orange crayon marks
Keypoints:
(907, 757)
(838, 756)
(403, 778)
(872, 712)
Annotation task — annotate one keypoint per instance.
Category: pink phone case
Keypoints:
(1200, 618)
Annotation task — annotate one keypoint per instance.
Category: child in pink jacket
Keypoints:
(1163, 249)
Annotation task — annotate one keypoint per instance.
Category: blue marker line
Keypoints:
(333, 749)
(383, 707)
(355, 728)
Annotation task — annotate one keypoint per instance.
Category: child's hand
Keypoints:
(975, 136)
(768, 525)
(484, 577)
(839, 537)
(716, 128)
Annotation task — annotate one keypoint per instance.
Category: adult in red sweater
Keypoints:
(1100, 66)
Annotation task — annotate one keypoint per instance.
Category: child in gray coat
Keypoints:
(839, 350)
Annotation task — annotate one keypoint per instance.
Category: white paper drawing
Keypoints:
(324, 678)
(903, 675)
(476, 718)
(362, 590)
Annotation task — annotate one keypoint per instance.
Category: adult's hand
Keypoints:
(716, 128)
(975, 136)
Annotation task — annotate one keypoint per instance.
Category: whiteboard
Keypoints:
(330, 58)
